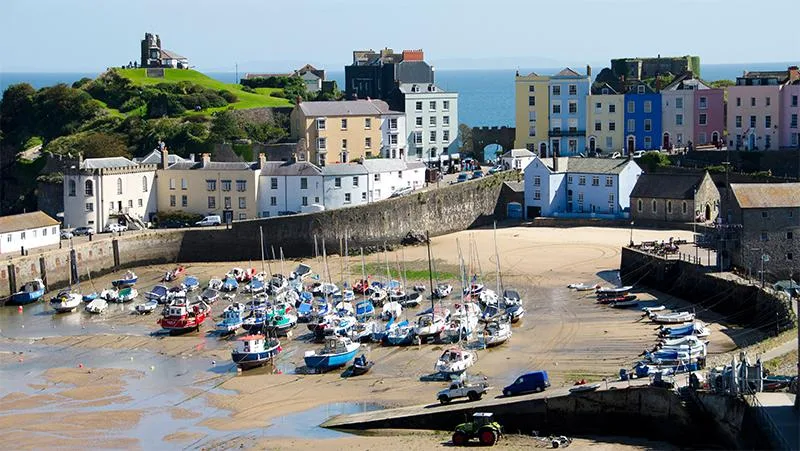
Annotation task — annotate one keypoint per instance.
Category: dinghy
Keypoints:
(215, 284)
(158, 294)
(127, 294)
(30, 292)
(454, 361)
(495, 334)
(583, 388)
(411, 299)
(400, 334)
(209, 296)
(442, 290)
(98, 305)
(128, 279)
(147, 307)
(66, 301)
(671, 318)
(110, 295)
(169, 276)
(301, 272)
(361, 365)
(190, 283)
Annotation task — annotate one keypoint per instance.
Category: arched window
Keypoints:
(654, 206)
(639, 205)
(144, 184)
(72, 188)
(89, 188)
(119, 185)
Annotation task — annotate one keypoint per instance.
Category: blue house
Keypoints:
(642, 118)
(567, 115)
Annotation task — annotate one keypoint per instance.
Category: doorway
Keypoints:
(708, 212)
(665, 141)
(543, 150)
(715, 139)
(631, 145)
(591, 145)
(752, 141)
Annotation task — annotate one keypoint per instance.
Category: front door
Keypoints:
(119, 206)
(715, 138)
(591, 145)
(752, 141)
(665, 143)
(542, 150)
(630, 145)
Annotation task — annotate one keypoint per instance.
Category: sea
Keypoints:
(486, 97)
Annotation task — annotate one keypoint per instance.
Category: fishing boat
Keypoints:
(30, 292)
(229, 284)
(495, 333)
(127, 294)
(333, 325)
(209, 296)
(361, 365)
(231, 318)
(301, 272)
(215, 284)
(183, 317)
(583, 388)
(364, 310)
(169, 276)
(66, 301)
(255, 350)
(190, 283)
(280, 323)
(254, 322)
(110, 295)
(363, 331)
(442, 290)
(127, 279)
(391, 310)
(429, 325)
(147, 307)
(671, 318)
(98, 305)
(158, 293)
(338, 352)
(400, 334)
(454, 361)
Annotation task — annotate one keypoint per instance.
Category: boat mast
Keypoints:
(261, 232)
(283, 270)
(403, 254)
(363, 271)
(498, 281)
(430, 265)
(346, 277)
(386, 260)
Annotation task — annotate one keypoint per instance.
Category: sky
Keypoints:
(90, 35)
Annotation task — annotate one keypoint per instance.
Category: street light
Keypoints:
(764, 259)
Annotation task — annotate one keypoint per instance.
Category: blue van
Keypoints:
(528, 383)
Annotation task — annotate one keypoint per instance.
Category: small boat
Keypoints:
(495, 333)
(128, 279)
(345, 308)
(231, 318)
(30, 292)
(66, 301)
(247, 275)
(169, 276)
(235, 273)
(159, 294)
(617, 299)
(110, 295)
(697, 328)
(98, 305)
(411, 299)
(325, 289)
(127, 294)
(333, 325)
(419, 288)
(582, 388)
(583, 286)
(658, 308)
(487, 297)
(280, 324)
(254, 322)
(475, 288)
(391, 310)
(492, 313)
(364, 310)
(183, 317)
(626, 302)
(515, 312)
(338, 351)
(255, 286)
(430, 325)
(147, 307)
(442, 290)
(255, 350)
(361, 286)
(91, 296)
(400, 334)
(454, 361)
(672, 318)
(363, 331)
(511, 297)
(615, 291)
(689, 340)
(229, 284)
(361, 365)
(209, 296)
(277, 284)
(319, 309)
(190, 283)
(176, 294)
(215, 284)
(378, 297)
(301, 272)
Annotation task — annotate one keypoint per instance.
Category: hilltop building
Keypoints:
(153, 55)
(374, 75)
(633, 70)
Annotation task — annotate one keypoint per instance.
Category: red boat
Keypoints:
(361, 286)
(183, 317)
(242, 275)
(169, 276)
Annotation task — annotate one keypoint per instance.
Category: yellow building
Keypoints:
(339, 132)
(605, 116)
(531, 112)
(208, 188)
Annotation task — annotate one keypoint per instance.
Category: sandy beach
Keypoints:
(113, 381)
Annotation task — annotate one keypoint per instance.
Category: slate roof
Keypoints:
(517, 153)
(384, 165)
(406, 88)
(766, 195)
(667, 186)
(106, 163)
(344, 108)
(415, 165)
(154, 157)
(344, 169)
(518, 187)
(282, 168)
(590, 165)
(567, 72)
(214, 166)
(25, 221)
(167, 54)
(598, 90)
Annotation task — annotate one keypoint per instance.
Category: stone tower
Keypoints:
(151, 50)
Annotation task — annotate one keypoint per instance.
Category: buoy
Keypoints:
(80, 365)
(213, 362)
(19, 309)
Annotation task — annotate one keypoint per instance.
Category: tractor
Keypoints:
(483, 427)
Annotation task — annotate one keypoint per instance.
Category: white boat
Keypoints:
(604, 291)
(495, 333)
(442, 290)
(657, 308)
(66, 301)
(391, 310)
(127, 294)
(159, 293)
(98, 305)
(362, 331)
(378, 296)
(147, 307)
(345, 307)
(672, 318)
(110, 294)
(215, 284)
(454, 361)
(429, 325)
(584, 388)
(625, 303)
(488, 297)
(583, 286)
(687, 340)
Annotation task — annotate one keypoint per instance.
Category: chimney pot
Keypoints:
(205, 158)
(164, 157)
(262, 160)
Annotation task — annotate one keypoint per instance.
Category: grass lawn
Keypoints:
(259, 99)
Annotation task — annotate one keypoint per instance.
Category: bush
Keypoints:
(248, 89)
(131, 104)
(228, 96)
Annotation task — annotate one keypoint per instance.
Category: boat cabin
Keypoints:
(251, 343)
(336, 345)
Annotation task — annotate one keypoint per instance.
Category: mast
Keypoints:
(386, 261)
(283, 270)
(498, 281)
(261, 232)
(346, 261)
(430, 265)
(363, 270)
(403, 252)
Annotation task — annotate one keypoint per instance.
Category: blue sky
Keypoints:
(90, 35)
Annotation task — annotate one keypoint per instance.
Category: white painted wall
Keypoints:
(441, 145)
(398, 134)
(289, 196)
(139, 198)
(355, 185)
(29, 239)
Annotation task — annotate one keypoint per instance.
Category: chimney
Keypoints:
(80, 160)
(262, 160)
(555, 161)
(164, 157)
(588, 70)
(205, 158)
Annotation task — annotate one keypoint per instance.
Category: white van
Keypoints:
(212, 220)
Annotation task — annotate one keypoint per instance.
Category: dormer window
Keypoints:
(605, 91)
(414, 88)
(641, 89)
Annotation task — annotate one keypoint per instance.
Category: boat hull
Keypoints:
(25, 298)
(248, 360)
(325, 362)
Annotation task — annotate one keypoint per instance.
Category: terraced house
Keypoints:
(642, 118)
(605, 120)
(531, 113)
(753, 108)
(567, 116)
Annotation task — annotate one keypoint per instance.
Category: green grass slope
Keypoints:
(246, 99)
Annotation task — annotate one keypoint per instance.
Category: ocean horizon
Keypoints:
(486, 96)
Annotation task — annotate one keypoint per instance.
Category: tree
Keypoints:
(225, 127)
(465, 135)
(102, 145)
(653, 160)
(61, 110)
(17, 121)
(722, 83)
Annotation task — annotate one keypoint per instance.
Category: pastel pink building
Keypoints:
(790, 134)
(709, 115)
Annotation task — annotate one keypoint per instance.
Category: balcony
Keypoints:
(565, 133)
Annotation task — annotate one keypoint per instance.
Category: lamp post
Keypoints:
(764, 259)
(631, 233)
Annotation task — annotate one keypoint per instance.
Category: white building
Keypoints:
(394, 142)
(579, 187)
(431, 121)
(388, 176)
(376, 179)
(517, 159)
(345, 185)
(288, 187)
(28, 231)
(105, 190)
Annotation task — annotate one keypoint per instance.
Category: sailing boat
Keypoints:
(512, 302)
(67, 301)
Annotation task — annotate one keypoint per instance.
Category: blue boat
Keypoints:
(255, 350)
(365, 310)
(231, 318)
(128, 279)
(30, 292)
(338, 352)
(256, 286)
(229, 284)
(400, 335)
(304, 310)
(90, 297)
(255, 321)
(190, 283)
(377, 335)
(158, 294)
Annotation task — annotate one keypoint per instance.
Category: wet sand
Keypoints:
(183, 390)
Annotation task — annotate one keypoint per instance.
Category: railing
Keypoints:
(565, 133)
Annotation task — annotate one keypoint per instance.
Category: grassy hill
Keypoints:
(246, 99)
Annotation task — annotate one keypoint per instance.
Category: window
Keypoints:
(418, 121)
(640, 89)
(752, 101)
(347, 198)
(537, 195)
(418, 138)
(582, 180)
(322, 143)
(71, 189)
(794, 101)
(172, 200)
(418, 106)
(556, 108)
(610, 198)
(531, 88)
(612, 126)
(669, 206)
(393, 124)
(139, 203)
(367, 123)
(226, 184)
(212, 202)
(609, 142)
(303, 183)
(648, 125)
(445, 120)
(130, 203)
(344, 124)
(532, 130)
(612, 108)
(111, 206)
(337, 182)
(355, 181)
(556, 90)
(648, 106)
(531, 100)
(377, 177)
(631, 107)
(765, 214)
(631, 125)
(794, 139)
(368, 143)
(228, 204)
(432, 121)
(679, 103)
(144, 184)
(242, 216)
(393, 140)
(433, 136)
(598, 107)
(768, 121)
(609, 180)
(445, 105)
(648, 142)
(304, 201)
(738, 101)
(678, 119)
(702, 119)
(273, 183)
(598, 126)
(767, 100)
(654, 206)
(752, 121)
(273, 201)
(242, 202)
(537, 181)
(432, 105)
(211, 185)
(89, 188)
(363, 196)
(44, 231)
(789, 235)
(764, 236)
(321, 123)
(241, 186)
(573, 90)
(793, 121)
(89, 208)
(185, 184)
(573, 107)
(446, 136)
(22, 235)
(639, 205)
(595, 180)
(184, 201)
(684, 207)
(344, 144)
(119, 185)
(738, 121)
(703, 138)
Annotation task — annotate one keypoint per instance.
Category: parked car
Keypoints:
(402, 191)
(463, 177)
(638, 154)
(459, 389)
(172, 224)
(615, 155)
(114, 227)
(83, 231)
(209, 221)
(66, 234)
(495, 170)
(528, 383)
(477, 174)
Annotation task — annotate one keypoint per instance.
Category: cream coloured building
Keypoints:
(605, 127)
(531, 112)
